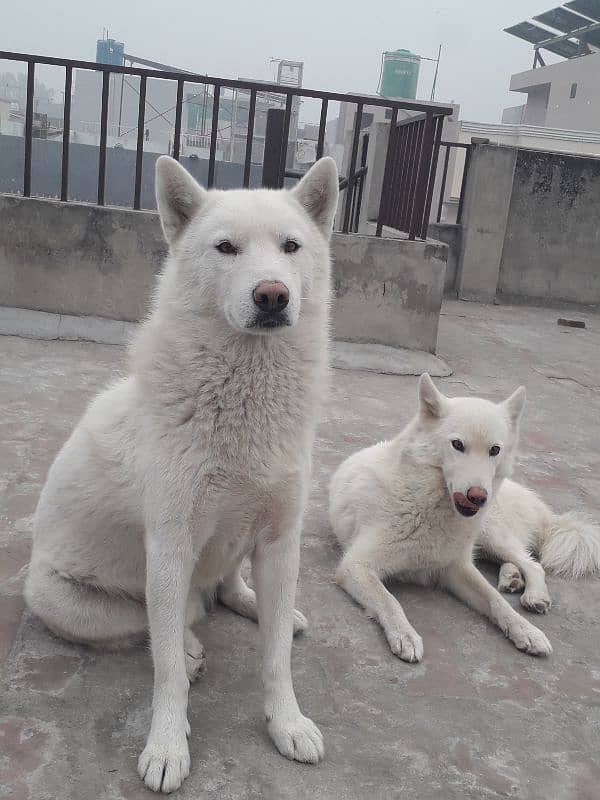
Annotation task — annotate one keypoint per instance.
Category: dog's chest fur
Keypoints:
(241, 412)
(424, 531)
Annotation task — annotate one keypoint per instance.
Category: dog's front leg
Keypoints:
(275, 564)
(165, 762)
(466, 582)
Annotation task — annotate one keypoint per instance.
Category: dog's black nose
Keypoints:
(477, 496)
(271, 296)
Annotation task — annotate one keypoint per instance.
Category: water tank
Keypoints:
(400, 74)
(109, 51)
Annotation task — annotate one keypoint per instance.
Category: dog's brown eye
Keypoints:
(494, 450)
(291, 246)
(458, 445)
(227, 248)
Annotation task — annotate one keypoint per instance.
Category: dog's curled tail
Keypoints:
(571, 546)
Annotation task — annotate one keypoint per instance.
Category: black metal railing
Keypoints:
(410, 172)
(416, 162)
(449, 146)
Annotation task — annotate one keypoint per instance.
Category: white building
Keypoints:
(564, 95)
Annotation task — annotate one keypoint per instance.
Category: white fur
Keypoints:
(200, 457)
(393, 512)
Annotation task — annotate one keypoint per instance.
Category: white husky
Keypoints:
(417, 506)
(202, 455)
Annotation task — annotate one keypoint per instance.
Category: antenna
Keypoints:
(437, 66)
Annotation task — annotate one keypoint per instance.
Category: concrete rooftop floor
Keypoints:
(476, 719)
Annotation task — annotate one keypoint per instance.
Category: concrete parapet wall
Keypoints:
(530, 227)
(552, 245)
(85, 260)
(450, 234)
(388, 291)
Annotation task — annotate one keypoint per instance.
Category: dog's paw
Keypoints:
(164, 767)
(297, 738)
(300, 622)
(510, 579)
(528, 638)
(536, 601)
(406, 644)
(195, 657)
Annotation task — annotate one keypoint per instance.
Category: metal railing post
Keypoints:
(28, 129)
(274, 147)
(352, 167)
(425, 156)
(64, 181)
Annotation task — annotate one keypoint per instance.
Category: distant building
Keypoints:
(159, 124)
(565, 95)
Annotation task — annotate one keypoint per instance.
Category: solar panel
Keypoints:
(564, 48)
(562, 20)
(593, 37)
(567, 21)
(531, 33)
(591, 8)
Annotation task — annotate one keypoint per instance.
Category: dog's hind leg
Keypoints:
(510, 579)
(235, 593)
(84, 613)
(363, 583)
(519, 570)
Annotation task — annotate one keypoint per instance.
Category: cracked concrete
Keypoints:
(475, 720)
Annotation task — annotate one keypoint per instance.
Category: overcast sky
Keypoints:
(339, 41)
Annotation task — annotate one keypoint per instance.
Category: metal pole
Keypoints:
(214, 132)
(64, 184)
(139, 155)
(437, 66)
(120, 106)
(443, 186)
(322, 124)
(274, 148)
(352, 168)
(29, 129)
(249, 138)
(103, 136)
(178, 113)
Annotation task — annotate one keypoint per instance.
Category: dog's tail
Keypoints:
(570, 546)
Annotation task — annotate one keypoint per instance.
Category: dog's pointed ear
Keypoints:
(431, 400)
(318, 193)
(514, 404)
(178, 196)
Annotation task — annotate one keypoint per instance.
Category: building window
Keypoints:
(573, 90)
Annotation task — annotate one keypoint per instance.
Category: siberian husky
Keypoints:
(418, 507)
(202, 455)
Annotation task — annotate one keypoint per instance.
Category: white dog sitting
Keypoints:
(202, 455)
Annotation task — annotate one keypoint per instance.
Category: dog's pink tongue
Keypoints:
(464, 501)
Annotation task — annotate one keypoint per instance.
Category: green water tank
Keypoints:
(400, 74)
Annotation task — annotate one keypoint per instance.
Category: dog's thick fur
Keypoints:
(397, 510)
(201, 456)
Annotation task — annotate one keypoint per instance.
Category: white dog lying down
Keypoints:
(417, 506)
(202, 455)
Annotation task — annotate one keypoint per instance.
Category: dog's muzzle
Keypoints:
(262, 321)
(271, 299)
(468, 505)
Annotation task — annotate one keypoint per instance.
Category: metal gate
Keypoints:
(409, 176)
